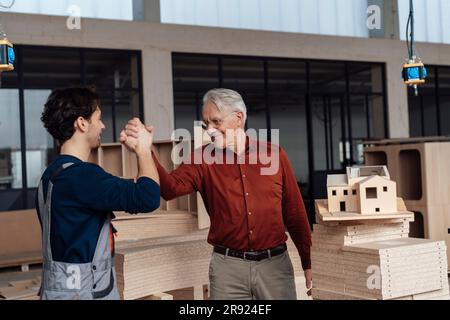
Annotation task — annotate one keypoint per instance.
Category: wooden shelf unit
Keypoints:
(421, 168)
(119, 161)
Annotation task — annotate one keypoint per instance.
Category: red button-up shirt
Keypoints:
(248, 211)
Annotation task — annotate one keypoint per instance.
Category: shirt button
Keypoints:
(244, 176)
(249, 213)
(94, 268)
(247, 194)
(95, 286)
(251, 231)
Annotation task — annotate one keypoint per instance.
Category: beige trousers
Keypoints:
(236, 279)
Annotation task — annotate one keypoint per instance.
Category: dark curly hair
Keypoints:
(64, 106)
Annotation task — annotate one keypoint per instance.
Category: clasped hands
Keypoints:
(137, 137)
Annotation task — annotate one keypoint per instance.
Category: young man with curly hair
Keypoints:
(76, 200)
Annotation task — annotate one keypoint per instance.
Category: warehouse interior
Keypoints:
(331, 85)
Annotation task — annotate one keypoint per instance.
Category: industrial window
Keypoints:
(345, 192)
(429, 111)
(116, 74)
(354, 192)
(324, 109)
(377, 210)
(385, 189)
(334, 193)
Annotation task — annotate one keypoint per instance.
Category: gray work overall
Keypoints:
(71, 281)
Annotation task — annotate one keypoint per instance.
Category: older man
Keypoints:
(249, 210)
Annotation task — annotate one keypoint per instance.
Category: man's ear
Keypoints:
(81, 124)
(240, 117)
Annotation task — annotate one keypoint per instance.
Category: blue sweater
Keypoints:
(83, 196)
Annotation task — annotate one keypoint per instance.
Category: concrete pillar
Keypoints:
(390, 27)
(147, 10)
(158, 92)
(397, 97)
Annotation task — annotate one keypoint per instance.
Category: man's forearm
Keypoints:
(146, 166)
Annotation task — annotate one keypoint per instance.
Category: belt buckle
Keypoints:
(253, 254)
(245, 256)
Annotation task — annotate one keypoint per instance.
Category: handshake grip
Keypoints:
(137, 137)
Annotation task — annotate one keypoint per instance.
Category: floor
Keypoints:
(14, 274)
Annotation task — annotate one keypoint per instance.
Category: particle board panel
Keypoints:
(324, 216)
(20, 259)
(360, 229)
(150, 269)
(349, 240)
(20, 232)
(321, 294)
(422, 172)
(142, 243)
(155, 225)
(407, 267)
(394, 246)
(12, 293)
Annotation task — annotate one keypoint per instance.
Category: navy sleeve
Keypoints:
(99, 190)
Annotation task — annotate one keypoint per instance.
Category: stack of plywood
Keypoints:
(421, 168)
(328, 241)
(356, 257)
(394, 269)
(153, 225)
(152, 266)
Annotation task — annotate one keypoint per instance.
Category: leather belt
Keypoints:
(251, 255)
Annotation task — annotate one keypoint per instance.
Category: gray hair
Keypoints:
(226, 99)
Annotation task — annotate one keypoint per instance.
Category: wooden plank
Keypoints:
(198, 292)
(26, 283)
(325, 216)
(110, 158)
(154, 225)
(13, 293)
(163, 264)
(20, 234)
(21, 259)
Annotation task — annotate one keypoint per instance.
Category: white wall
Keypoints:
(432, 23)
(102, 9)
(330, 17)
